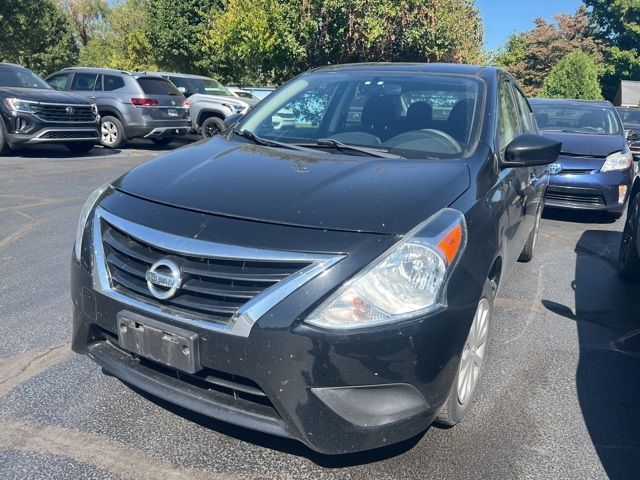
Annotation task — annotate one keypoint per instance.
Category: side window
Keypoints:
(59, 82)
(83, 81)
(525, 112)
(507, 116)
(98, 86)
(111, 82)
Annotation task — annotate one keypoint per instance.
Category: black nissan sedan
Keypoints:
(595, 168)
(332, 280)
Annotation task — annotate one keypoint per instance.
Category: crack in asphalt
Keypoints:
(103, 453)
(16, 370)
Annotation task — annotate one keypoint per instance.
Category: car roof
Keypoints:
(175, 74)
(447, 68)
(109, 71)
(8, 64)
(570, 101)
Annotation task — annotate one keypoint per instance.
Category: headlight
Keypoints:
(84, 216)
(407, 280)
(617, 161)
(17, 105)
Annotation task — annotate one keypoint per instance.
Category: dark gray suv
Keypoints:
(130, 104)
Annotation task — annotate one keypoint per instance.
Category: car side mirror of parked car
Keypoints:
(231, 120)
(530, 150)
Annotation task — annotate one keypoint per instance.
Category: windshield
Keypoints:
(207, 86)
(629, 115)
(576, 118)
(407, 114)
(12, 76)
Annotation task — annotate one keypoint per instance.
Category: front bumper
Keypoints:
(27, 129)
(592, 190)
(337, 392)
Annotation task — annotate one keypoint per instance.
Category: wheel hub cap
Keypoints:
(473, 353)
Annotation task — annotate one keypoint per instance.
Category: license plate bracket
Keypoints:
(172, 346)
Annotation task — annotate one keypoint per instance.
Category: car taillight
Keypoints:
(185, 104)
(145, 102)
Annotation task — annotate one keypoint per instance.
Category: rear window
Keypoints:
(157, 86)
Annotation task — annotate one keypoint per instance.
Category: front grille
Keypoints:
(214, 289)
(576, 198)
(67, 134)
(59, 113)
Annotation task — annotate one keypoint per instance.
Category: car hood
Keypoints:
(587, 145)
(315, 189)
(235, 101)
(42, 95)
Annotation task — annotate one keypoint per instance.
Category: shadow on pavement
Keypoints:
(577, 216)
(60, 151)
(607, 315)
(285, 445)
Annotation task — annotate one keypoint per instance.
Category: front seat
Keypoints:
(380, 115)
(419, 116)
(459, 122)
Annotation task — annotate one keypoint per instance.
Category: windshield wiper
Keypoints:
(267, 142)
(338, 145)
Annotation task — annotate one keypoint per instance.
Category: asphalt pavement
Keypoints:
(560, 396)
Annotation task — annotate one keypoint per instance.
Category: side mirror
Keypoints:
(231, 120)
(185, 92)
(531, 150)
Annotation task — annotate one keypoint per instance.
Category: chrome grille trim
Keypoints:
(247, 315)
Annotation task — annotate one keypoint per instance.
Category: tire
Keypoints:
(112, 134)
(80, 147)
(162, 141)
(628, 258)
(462, 394)
(4, 146)
(212, 126)
(530, 246)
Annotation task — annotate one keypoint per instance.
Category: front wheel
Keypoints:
(628, 258)
(527, 252)
(467, 378)
(212, 126)
(4, 145)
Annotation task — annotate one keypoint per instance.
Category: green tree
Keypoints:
(119, 41)
(175, 29)
(36, 34)
(84, 16)
(575, 76)
(618, 23)
(531, 55)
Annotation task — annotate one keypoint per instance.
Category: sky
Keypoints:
(504, 17)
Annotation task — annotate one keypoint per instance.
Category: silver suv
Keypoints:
(210, 102)
(131, 104)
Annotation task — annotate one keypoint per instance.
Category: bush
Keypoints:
(575, 76)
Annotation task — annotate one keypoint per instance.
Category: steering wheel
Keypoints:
(449, 144)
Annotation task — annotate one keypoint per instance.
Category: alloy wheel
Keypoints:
(474, 352)
(109, 132)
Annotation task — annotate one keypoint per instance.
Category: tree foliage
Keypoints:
(271, 40)
(175, 29)
(36, 34)
(618, 26)
(119, 41)
(575, 76)
(530, 56)
(84, 16)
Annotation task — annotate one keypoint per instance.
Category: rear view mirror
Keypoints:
(530, 150)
